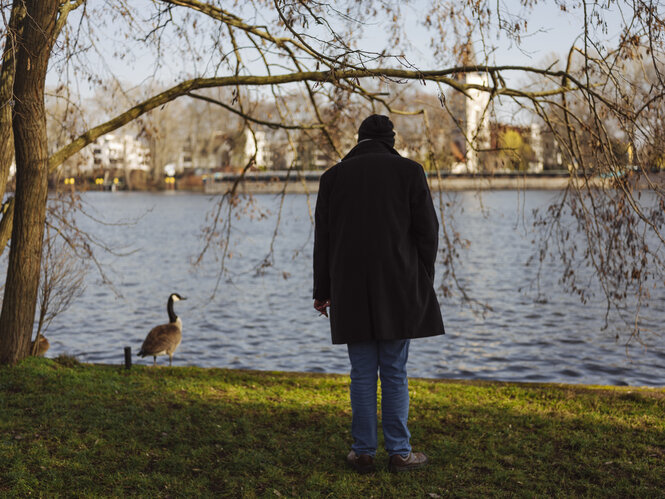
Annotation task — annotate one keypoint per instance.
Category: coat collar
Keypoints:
(368, 146)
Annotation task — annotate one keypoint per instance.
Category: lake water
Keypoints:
(264, 319)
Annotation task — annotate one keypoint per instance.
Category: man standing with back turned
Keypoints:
(375, 245)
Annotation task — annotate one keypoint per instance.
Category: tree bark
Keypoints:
(6, 223)
(6, 92)
(6, 104)
(30, 145)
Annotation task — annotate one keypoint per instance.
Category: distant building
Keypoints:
(471, 115)
(514, 147)
(111, 152)
(279, 154)
(222, 151)
(270, 148)
(553, 157)
(537, 161)
(274, 151)
(256, 144)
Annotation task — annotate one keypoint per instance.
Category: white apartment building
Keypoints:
(220, 149)
(114, 152)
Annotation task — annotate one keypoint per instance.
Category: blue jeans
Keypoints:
(389, 359)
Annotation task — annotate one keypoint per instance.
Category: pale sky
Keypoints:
(550, 34)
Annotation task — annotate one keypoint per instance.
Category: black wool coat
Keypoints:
(375, 245)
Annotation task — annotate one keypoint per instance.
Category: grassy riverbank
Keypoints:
(84, 430)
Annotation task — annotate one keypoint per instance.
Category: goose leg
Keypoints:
(170, 360)
(154, 360)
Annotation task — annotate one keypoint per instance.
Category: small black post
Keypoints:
(128, 357)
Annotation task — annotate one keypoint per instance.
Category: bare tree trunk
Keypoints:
(29, 125)
(6, 104)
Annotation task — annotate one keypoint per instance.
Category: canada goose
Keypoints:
(42, 347)
(164, 339)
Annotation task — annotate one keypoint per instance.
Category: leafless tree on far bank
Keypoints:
(62, 282)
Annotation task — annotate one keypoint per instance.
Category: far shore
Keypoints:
(553, 182)
(436, 185)
(307, 182)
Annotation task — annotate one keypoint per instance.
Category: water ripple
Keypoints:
(265, 321)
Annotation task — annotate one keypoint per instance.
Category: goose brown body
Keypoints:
(42, 346)
(165, 338)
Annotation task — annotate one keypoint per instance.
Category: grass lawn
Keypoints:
(69, 429)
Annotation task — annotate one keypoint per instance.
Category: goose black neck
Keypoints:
(169, 308)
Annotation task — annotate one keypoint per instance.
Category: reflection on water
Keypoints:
(266, 321)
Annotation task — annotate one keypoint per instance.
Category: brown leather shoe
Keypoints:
(413, 461)
(364, 463)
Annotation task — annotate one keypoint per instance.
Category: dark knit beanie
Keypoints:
(377, 127)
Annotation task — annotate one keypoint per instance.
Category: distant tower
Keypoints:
(471, 113)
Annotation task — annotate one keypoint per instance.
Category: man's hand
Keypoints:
(322, 306)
